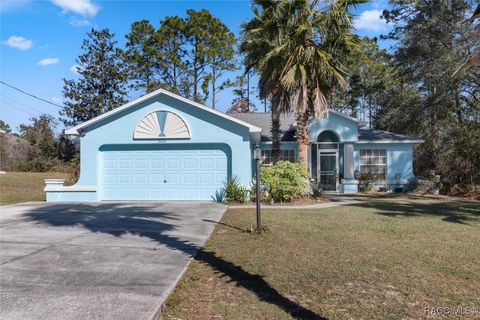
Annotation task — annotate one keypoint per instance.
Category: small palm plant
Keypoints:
(234, 191)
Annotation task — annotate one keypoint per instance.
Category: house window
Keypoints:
(375, 162)
(266, 158)
(286, 155)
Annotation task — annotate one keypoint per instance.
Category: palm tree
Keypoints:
(261, 36)
(299, 49)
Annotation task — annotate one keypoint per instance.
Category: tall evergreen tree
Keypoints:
(209, 51)
(141, 56)
(170, 41)
(370, 71)
(187, 55)
(101, 86)
(431, 40)
(220, 58)
(427, 101)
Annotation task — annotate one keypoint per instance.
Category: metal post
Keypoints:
(257, 186)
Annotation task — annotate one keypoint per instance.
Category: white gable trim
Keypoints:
(338, 113)
(76, 130)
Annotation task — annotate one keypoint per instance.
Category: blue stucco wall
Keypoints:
(84, 196)
(206, 130)
(399, 159)
(346, 129)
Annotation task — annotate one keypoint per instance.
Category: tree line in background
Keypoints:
(187, 56)
(37, 148)
(307, 59)
(417, 88)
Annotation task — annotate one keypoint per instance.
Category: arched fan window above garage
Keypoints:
(161, 125)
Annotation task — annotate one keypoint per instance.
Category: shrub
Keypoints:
(219, 196)
(366, 180)
(412, 184)
(436, 183)
(234, 191)
(285, 180)
(36, 165)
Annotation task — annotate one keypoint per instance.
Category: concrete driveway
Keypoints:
(96, 261)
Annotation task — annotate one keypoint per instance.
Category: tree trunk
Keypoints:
(214, 80)
(275, 135)
(302, 137)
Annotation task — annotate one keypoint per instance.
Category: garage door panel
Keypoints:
(125, 164)
(156, 178)
(162, 174)
(189, 193)
(205, 178)
(189, 178)
(189, 163)
(174, 163)
(157, 163)
(141, 163)
(141, 179)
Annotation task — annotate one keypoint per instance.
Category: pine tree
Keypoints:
(101, 86)
(141, 56)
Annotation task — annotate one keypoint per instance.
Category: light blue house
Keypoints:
(165, 147)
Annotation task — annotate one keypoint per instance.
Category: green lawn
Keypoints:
(25, 186)
(386, 258)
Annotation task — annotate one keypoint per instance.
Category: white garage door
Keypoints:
(162, 174)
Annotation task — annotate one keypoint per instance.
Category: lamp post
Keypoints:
(256, 156)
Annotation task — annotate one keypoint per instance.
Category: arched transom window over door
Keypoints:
(328, 140)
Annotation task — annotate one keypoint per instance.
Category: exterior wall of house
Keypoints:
(206, 131)
(346, 129)
(399, 160)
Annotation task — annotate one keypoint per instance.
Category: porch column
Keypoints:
(348, 161)
(348, 183)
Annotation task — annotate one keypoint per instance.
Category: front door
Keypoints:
(327, 170)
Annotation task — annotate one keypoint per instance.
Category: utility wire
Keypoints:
(31, 95)
(19, 102)
(18, 108)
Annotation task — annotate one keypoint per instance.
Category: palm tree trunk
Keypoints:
(302, 137)
(275, 134)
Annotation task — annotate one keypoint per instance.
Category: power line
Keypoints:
(19, 102)
(31, 95)
(18, 108)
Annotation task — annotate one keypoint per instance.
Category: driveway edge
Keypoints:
(158, 311)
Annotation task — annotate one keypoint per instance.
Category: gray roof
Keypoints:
(367, 134)
(264, 121)
(287, 121)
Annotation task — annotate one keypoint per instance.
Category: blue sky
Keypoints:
(40, 41)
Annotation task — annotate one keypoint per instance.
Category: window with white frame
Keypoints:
(266, 157)
(286, 155)
(374, 161)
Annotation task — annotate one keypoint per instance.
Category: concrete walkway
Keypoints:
(98, 260)
(334, 202)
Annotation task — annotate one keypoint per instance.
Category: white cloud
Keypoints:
(48, 61)
(82, 7)
(19, 43)
(57, 100)
(75, 68)
(79, 22)
(370, 20)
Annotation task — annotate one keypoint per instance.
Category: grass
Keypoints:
(385, 258)
(18, 187)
